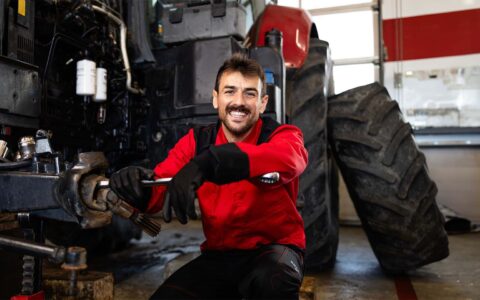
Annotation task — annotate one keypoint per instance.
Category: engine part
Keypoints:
(75, 260)
(45, 160)
(55, 189)
(15, 165)
(101, 114)
(274, 39)
(42, 142)
(69, 189)
(125, 210)
(20, 90)
(271, 61)
(86, 73)
(21, 30)
(138, 32)
(4, 151)
(123, 45)
(101, 85)
(92, 197)
(26, 148)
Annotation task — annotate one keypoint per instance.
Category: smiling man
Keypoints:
(255, 239)
(239, 98)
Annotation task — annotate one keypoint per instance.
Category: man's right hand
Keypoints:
(127, 184)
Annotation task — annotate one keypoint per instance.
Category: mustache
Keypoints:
(234, 107)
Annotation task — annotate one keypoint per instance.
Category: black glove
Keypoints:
(126, 183)
(181, 193)
(218, 164)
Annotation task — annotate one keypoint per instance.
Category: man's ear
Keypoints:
(214, 99)
(263, 103)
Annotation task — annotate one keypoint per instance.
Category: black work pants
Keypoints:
(270, 272)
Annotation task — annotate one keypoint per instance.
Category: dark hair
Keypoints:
(241, 63)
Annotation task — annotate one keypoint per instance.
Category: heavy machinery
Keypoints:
(90, 86)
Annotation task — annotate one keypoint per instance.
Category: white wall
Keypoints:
(456, 171)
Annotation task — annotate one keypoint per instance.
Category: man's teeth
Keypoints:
(238, 113)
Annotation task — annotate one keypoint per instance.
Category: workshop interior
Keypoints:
(385, 92)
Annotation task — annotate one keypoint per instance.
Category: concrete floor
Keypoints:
(356, 275)
(140, 269)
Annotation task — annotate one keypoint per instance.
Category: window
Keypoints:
(350, 34)
(351, 29)
(350, 76)
(435, 79)
(291, 3)
(442, 97)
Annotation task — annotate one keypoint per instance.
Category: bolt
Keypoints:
(72, 288)
(157, 137)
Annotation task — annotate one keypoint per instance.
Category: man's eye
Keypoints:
(229, 92)
(251, 95)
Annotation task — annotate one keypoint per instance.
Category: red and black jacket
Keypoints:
(239, 212)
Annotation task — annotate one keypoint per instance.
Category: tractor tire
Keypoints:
(113, 237)
(387, 178)
(306, 104)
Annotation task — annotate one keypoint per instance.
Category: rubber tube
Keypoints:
(15, 165)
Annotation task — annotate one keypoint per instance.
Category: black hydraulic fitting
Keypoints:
(274, 40)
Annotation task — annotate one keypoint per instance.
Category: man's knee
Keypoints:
(278, 275)
(278, 283)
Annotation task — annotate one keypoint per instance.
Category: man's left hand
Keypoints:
(181, 193)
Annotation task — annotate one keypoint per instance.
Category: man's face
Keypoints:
(239, 103)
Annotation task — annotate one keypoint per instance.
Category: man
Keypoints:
(254, 235)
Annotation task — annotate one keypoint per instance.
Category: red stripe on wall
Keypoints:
(436, 35)
(404, 288)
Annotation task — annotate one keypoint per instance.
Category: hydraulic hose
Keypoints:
(15, 165)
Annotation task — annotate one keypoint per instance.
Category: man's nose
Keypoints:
(239, 98)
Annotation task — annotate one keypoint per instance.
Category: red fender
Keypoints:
(294, 23)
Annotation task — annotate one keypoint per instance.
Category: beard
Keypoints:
(234, 128)
(238, 130)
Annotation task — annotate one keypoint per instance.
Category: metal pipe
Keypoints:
(381, 49)
(31, 248)
(123, 47)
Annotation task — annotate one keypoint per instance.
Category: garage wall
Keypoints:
(457, 174)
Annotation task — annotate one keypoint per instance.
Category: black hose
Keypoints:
(15, 165)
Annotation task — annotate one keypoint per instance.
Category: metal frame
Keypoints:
(379, 55)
